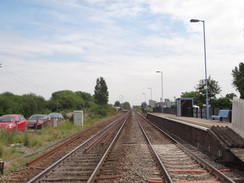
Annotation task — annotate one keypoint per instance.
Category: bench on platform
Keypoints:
(222, 114)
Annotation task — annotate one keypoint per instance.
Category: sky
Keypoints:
(53, 45)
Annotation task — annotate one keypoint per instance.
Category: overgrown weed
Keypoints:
(13, 144)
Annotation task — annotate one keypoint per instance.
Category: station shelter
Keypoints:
(184, 107)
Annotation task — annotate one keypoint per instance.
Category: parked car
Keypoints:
(56, 115)
(13, 122)
(40, 120)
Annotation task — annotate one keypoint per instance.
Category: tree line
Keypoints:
(60, 101)
(214, 89)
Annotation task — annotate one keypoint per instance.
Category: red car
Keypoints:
(38, 121)
(13, 122)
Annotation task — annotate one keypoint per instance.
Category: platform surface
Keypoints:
(197, 121)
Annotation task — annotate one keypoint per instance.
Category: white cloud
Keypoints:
(124, 42)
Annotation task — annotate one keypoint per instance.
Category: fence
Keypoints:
(238, 116)
(193, 112)
(201, 112)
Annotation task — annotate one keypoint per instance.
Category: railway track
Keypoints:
(79, 164)
(65, 146)
(179, 163)
(131, 150)
(130, 159)
(104, 162)
(54, 152)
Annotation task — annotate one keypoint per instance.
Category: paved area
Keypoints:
(196, 121)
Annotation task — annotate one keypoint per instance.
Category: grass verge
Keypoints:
(15, 144)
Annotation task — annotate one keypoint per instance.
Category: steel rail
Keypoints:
(166, 177)
(218, 174)
(108, 131)
(95, 172)
(29, 164)
(207, 166)
(43, 156)
(111, 134)
(43, 173)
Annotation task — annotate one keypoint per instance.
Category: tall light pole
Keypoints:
(161, 83)
(205, 61)
(151, 91)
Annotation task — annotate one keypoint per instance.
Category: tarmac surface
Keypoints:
(197, 121)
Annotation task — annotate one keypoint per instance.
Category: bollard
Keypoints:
(2, 167)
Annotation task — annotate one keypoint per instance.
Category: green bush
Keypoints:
(26, 142)
(35, 143)
(15, 151)
(46, 111)
(6, 136)
(1, 150)
(99, 111)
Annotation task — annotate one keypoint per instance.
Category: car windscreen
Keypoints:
(35, 117)
(4, 119)
(54, 115)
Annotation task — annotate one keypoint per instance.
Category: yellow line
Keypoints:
(201, 123)
(189, 120)
(193, 121)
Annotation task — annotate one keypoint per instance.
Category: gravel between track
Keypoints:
(133, 159)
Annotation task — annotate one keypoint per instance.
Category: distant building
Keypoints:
(152, 103)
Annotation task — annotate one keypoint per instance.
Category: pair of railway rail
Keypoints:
(86, 162)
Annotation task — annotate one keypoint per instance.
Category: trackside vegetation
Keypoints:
(213, 91)
(63, 101)
(16, 144)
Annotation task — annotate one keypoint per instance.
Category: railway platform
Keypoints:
(197, 121)
(212, 136)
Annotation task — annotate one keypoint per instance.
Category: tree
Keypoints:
(223, 102)
(230, 96)
(144, 107)
(117, 104)
(65, 100)
(101, 92)
(213, 90)
(126, 105)
(87, 98)
(193, 94)
(27, 104)
(238, 79)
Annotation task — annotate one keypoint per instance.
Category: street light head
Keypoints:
(158, 71)
(196, 20)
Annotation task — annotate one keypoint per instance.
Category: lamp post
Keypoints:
(205, 61)
(151, 91)
(161, 83)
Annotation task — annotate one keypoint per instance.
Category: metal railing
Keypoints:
(193, 112)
